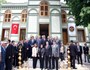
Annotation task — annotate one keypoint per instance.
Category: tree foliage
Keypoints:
(81, 10)
(2, 1)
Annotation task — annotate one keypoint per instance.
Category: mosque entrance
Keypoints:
(44, 29)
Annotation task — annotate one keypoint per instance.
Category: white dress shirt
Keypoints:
(34, 52)
(62, 49)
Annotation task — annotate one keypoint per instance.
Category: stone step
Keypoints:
(28, 66)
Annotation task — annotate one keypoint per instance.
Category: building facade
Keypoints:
(39, 17)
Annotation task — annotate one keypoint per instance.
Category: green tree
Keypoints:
(2, 1)
(81, 10)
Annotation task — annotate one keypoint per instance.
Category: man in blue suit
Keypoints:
(2, 53)
(31, 42)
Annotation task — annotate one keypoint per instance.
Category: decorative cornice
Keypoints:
(12, 7)
(15, 4)
(41, 0)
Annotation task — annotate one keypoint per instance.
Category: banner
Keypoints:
(72, 29)
(15, 28)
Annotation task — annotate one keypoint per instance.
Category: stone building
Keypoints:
(39, 17)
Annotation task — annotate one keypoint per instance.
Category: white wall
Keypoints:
(50, 2)
(44, 20)
(32, 24)
(87, 32)
(15, 38)
(54, 2)
(29, 35)
(72, 38)
(1, 18)
(55, 24)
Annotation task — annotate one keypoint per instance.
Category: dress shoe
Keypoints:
(74, 68)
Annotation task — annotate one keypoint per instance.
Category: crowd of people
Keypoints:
(47, 50)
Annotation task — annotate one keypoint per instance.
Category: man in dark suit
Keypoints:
(43, 40)
(79, 53)
(2, 56)
(9, 55)
(48, 54)
(26, 49)
(73, 52)
(41, 53)
(49, 40)
(15, 59)
(86, 52)
(31, 42)
(38, 41)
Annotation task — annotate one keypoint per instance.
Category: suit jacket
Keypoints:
(48, 51)
(49, 41)
(38, 41)
(30, 43)
(9, 52)
(41, 52)
(43, 42)
(2, 54)
(58, 42)
(73, 50)
(80, 48)
(26, 46)
(55, 51)
(86, 50)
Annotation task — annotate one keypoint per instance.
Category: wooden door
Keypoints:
(65, 36)
(22, 34)
(5, 34)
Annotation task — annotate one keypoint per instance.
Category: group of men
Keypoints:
(9, 51)
(6, 55)
(76, 51)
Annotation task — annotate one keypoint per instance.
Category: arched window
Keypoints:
(7, 17)
(64, 18)
(24, 16)
(44, 10)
